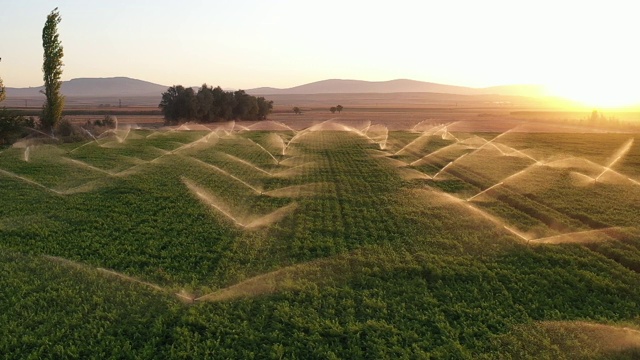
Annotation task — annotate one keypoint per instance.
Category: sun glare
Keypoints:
(600, 96)
(611, 90)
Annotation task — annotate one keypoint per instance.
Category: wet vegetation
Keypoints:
(330, 242)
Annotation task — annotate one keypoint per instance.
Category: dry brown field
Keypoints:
(399, 111)
(460, 120)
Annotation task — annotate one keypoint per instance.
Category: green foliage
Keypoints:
(368, 265)
(52, 69)
(50, 308)
(339, 108)
(65, 128)
(109, 121)
(297, 110)
(212, 104)
(13, 126)
(264, 107)
(69, 132)
(178, 104)
(333, 109)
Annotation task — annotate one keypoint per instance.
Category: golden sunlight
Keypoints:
(598, 94)
(596, 81)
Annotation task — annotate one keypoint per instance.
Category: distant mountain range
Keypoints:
(398, 86)
(127, 87)
(97, 87)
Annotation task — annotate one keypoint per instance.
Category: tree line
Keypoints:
(333, 109)
(211, 104)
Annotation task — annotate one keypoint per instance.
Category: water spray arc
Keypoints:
(29, 181)
(428, 132)
(210, 200)
(226, 173)
(449, 164)
(91, 167)
(622, 151)
(266, 151)
(252, 222)
(245, 162)
(490, 142)
(465, 204)
(528, 168)
(424, 158)
(485, 190)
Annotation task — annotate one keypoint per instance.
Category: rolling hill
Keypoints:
(97, 87)
(398, 86)
(126, 87)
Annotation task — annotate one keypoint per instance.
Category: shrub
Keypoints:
(68, 132)
(13, 126)
(109, 121)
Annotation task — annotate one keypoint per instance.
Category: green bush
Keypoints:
(68, 132)
(13, 126)
(109, 121)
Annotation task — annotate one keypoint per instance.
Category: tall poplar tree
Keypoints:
(52, 69)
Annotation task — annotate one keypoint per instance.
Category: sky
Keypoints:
(584, 50)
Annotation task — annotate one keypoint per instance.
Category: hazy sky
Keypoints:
(578, 48)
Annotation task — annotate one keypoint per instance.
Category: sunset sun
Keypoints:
(614, 92)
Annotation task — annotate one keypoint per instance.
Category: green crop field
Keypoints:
(329, 242)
